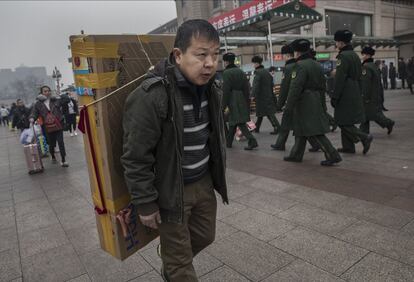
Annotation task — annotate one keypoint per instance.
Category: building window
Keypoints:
(359, 24)
(216, 4)
(242, 2)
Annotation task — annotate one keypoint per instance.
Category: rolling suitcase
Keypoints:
(33, 160)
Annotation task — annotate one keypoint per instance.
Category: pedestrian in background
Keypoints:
(71, 111)
(384, 73)
(49, 108)
(4, 115)
(410, 74)
(402, 71)
(392, 75)
(21, 116)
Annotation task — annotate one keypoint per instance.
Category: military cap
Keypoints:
(257, 59)
(229, 57)
(301, 45)
(368, 50)
(343, 35)
(287, 49)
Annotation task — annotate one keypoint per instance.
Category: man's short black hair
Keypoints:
(257, 59)
(272, 68)
(194, 28)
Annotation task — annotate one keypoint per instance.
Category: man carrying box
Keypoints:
(174, 152)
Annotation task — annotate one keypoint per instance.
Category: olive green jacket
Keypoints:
(347, 96)
(306, 89)
(236, 95)
(371, 89)
(286, 122)
(263, 92)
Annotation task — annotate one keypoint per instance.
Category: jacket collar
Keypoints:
(369, 60)
(347, 47)
(260, 67)
(290, 61)
(231, 66)
(304, 56)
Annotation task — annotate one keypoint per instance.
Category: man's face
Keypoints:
(199, 62)
(19, 103)
(365, 57)
(256, 65)
(339, 44)
(46, 91)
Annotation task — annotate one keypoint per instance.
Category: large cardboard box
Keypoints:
(102, 64)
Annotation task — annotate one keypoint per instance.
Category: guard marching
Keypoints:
(305, 107)
(371, 89)
(347, 97)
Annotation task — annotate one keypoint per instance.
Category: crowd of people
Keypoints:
(55, 114)
(405, 73)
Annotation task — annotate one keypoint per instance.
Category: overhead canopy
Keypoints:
(282, 18)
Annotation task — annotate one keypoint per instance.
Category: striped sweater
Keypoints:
(196, 130)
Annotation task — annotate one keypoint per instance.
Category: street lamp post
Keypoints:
(57, 75)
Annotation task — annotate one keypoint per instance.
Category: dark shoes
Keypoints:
(314, 149)
(333, 128)
(367, 144)
(277, 148)
(384, 109)
(292, 159)
(390, 127)
(251, 147)
(257, 130)
(346, 151)
(331, 162)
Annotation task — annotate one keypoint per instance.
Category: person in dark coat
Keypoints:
(410, 74)
(371, 91)
(236, 99)
(286, 123)
(309, 119)
(262, 92)
(393, 75)
(21, 116)
(402, 71)
(384, 73)
(347, 97)
(70, 110)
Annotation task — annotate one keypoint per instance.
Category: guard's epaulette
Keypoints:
(150, 82)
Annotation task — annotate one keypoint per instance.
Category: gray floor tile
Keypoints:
(40, 240)
(269, 184)
(223, 273)
(58, 264)
(28, 195)
(59, 193)
(258, 224)
(82, 278)
(409, 228)
(301, 271)
(316, 218)
(6, 204)
(84, 238)
(101, 266)
(236, 190)
(8, 239)
(152, 276)
(312, 197)
(33, 206)
(234, 176)
(223, 230)
(33, 221)
(385, 241)
(372, 212)
(252, 258)
(10, 265)
(326, 252)
(226, 210)
(20, 279)
(76, 218)
(6, 196)
(205, 263)
(270, 203)
(7, 220)
(377, 268)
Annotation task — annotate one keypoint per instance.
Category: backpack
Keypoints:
(51, 123)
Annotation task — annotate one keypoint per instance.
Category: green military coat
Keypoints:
(286, 123)
(307, 87)
(236, 95)
(371, 89)
(263, 92)
(347, 96)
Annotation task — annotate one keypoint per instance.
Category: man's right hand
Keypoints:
(152, 220)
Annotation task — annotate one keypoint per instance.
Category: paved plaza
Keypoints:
(285, 221)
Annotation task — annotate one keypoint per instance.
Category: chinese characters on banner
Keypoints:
(250, 10)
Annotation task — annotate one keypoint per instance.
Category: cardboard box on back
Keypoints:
(101, 64)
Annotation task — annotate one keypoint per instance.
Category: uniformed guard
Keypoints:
(236, 99)
(310, 122)
(347, 96)
(371, 89)
(286, 123)
(262, 91)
